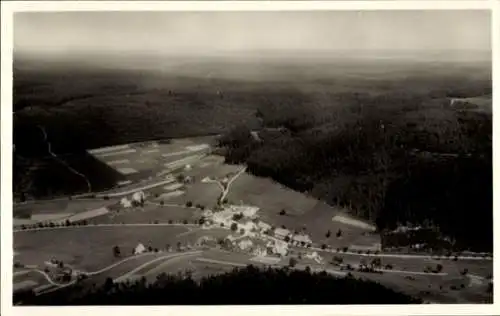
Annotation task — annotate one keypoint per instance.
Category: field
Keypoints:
(301, 212)
(150, 214)
(148, 158)
(63, 206)
(90, 247)
(394, 104)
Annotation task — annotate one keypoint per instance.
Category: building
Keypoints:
(247, 211)
(281, 233)
(302, 239)
(278, 247)
(245, 244)
(139, 249)
(138, 197)
(124, 202)
(314, 256)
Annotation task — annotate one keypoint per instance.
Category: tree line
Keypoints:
(243, 286)
(392, 159)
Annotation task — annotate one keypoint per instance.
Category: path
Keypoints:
(61, 286)
(225, 190)
(393, 255)
(161, 266)
(130, 273)
(49, 148)
(102, 225)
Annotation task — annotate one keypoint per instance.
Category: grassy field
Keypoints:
(150, 214)
(301, 211)
(90, 247)
(433, 288)
(59, 206)
(454, 268)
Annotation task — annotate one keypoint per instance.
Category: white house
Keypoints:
(139, 249)
(278, 247)
(247, 211)
(302, 238)
(125, 202)
(314, 256)
(138, 196)
(263, 226)
(245, 244)
(281, 233)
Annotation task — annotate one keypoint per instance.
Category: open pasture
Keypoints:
(431, 288)
(269, 195)
(205, 194)
(210, 166)
(195, 233)
(302, 212)
(170, 265)
(452, 268)
(89, 247)
(63, 206)
(151, 214)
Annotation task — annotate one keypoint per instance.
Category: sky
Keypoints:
(202, 33)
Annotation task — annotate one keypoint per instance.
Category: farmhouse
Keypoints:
(263, 226)
(245, 244)
(259, 251)
(281, 233)
(139, 249)
(277, 247)
(247, 211)
(138, 197)
(124, 202)
(302, 239)
(314, 256)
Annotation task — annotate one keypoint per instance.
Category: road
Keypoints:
(127, 275)
(225, 190)
(103, 225)
(117, 279)
(407, 256)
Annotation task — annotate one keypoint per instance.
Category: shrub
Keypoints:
(282, 212)
(337, 260)
(189, 204)
(234, 227)
(185, 222)
(292, 262)
(170, 221)
(237, 217)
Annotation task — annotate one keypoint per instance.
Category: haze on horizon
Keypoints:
(202, 34)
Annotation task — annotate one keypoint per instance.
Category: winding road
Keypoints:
(117, 279)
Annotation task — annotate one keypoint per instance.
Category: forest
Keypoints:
(393, 159)
(382, 140)
(244, 286)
